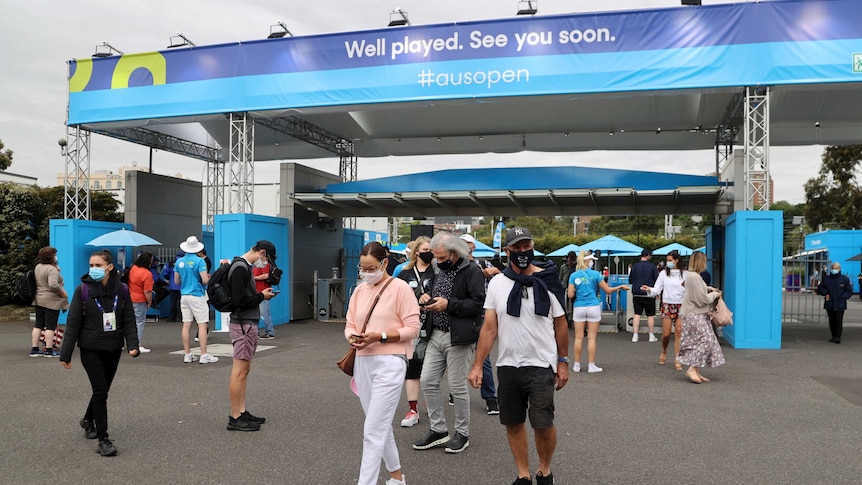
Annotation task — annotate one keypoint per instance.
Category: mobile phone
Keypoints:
(429, 302)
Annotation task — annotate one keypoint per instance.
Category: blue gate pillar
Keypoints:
(754, 241)
(234, 235)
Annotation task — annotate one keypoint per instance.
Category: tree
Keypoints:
(834, 197)
(5, 157)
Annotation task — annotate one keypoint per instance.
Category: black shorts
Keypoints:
(642, 305)
(522, 388)
(46, 319)
(414, 368)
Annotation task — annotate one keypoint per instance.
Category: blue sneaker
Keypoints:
(35, 352)
(50, 353)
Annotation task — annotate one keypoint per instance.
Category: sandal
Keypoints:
(678, 366)
(692, 376)
(662, 358)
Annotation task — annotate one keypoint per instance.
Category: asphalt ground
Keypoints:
(769, 416)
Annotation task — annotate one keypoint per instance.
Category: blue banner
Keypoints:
(816, 41)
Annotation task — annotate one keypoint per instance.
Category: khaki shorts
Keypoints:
(195, 309)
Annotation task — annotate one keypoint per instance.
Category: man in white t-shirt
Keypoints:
(523, 306)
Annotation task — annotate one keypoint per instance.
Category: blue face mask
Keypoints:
(670, 264)
(98, 274)
(835, 271)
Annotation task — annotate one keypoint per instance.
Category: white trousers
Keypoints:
(379, 379)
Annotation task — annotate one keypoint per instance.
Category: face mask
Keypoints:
(835, 271)
(522, 259)
(426, 257)
(98, 274)
(260, 263)
(371, 278)
(590, 264)
(445, 265)
(670, 264)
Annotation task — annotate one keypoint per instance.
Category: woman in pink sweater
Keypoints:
(382, 351)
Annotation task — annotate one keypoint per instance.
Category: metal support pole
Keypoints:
(241, 181)
(76, 201)
(347, 170)
(757, 177)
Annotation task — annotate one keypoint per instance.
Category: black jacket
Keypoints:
(643, 273)
(465, 303)
(839, 289)
(85, 327)
(246, 300)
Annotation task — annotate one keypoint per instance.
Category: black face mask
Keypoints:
(521, 259)
(426, 257)
(445, 265)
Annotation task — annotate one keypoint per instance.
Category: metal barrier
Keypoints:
(800, 276)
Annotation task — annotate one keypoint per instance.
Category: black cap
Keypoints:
(646, 253)
(517, 234)
(268, 247)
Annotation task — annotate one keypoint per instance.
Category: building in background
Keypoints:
(17, 179)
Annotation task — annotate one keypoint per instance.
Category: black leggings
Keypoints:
(836, 322)
(101, 366)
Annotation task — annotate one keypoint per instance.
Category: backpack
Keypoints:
(218, 288)
(26, 287)
(124, 276)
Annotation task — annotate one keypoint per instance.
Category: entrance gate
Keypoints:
(801, 275)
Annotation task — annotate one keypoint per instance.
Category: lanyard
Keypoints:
(99, 304)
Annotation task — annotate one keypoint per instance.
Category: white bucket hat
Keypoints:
(192, 245)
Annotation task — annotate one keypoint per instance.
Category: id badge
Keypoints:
(109, 322)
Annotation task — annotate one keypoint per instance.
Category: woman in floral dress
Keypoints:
(698, 346)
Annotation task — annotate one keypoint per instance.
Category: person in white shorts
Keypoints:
(191, 274)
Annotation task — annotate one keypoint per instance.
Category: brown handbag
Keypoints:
(346, 362)
(721, 316)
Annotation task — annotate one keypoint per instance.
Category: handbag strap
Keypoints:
(376, 299)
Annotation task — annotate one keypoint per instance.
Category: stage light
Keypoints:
(691, 2)
(279, 30)
(658, 131)
(817, 124)
(180, 40)
(398, 18)
(528, 7)
(106, 50)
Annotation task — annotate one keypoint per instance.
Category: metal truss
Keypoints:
(241, 163)
(214, 192)
(727, 131)
(76, 201)
(161, 141)
(756, 132)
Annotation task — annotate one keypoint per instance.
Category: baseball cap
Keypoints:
(517, 234)
(468, 238)
(646, 253)
(589, 257)
(268, 247)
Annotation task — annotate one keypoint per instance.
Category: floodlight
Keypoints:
(398, 18)
(691, 2)
(528, 7)
(106, 50)
(279, 30)
(180, 40)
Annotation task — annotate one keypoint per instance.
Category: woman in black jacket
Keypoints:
(836, 289)
(100, 320)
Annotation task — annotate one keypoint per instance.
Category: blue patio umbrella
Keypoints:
(563, 251)
(612, 245)
(683, 250)
(123, 238)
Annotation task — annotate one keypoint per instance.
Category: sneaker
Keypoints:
(523, 481)
(35, 352)
(451, 400)
(653, 338)
(143, 349)
(576, 367)
(241, 424)
(635, 338)
(493, 406)
(457, 444)
(208, 359)
(197, 339)
(267, 337)
(594, 368)
(251, 417)
(189, 358)
(393, 481)
(89, 429)
(50, 353)
(542, 480)
(410, 419)
(106, 448)
(432, 440)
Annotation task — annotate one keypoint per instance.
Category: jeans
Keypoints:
(488, 390)
(441, 356)
(266, 316)
(101, 366)
(379, 380)
(140, 319)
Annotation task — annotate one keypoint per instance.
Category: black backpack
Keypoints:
(26, 287)
(218, 288)
(124, 276)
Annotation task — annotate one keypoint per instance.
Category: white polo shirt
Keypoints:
(527, 340)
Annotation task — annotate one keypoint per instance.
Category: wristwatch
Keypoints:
(563, 359)
(383, 338)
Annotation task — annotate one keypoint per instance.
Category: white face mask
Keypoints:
(371, 278)
(590, 264)
(260, 263)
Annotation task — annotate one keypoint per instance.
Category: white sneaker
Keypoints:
(653, 338)
(189, 358)
(576, 367)
(208, 359)
(197, 339)
(143, 349)
(393, 481)
(411, 419)
(594, 368)
(635, 338)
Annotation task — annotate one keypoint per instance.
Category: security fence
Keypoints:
(800, 276)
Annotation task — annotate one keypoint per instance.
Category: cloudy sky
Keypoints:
(37, 37)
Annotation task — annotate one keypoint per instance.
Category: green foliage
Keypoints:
(834, 197)
(5, 157)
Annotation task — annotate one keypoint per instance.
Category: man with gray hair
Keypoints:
(455, 308)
